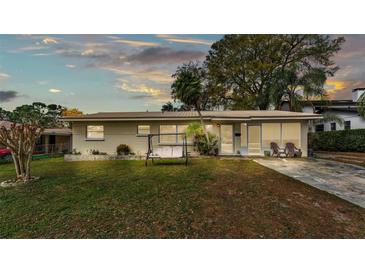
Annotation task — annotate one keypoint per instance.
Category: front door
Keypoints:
(226, 139)
(254, 140)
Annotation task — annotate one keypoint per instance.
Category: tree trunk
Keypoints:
(16, 164)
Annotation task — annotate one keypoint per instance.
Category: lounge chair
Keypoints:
(276, 150)
(292, 151)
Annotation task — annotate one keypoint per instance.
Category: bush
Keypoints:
(352, 140)
(123, 149)
(195, 130)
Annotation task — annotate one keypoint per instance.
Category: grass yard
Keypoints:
(210, 198)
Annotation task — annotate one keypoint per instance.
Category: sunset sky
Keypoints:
(123, 72)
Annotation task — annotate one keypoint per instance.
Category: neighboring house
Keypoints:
(239, 132)
(53, 140)
(345, 109)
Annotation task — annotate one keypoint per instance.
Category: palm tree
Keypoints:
(361, 105)
(188, 88)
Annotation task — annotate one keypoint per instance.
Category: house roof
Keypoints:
(329, 103)
(57, 131)
(193, 115)
(47, 131)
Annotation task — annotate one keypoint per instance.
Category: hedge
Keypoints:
(342, 140)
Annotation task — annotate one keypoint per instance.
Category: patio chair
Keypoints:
(276, 150)
(292, 151)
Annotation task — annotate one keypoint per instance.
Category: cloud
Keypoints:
(333, 86)
(28, 48)
(49, 40)
(165, 55)
(42, 82)
(4, 76)
(140, 97)
(9, 95)
(137, 43)
(54, 90)
(71, 66)
(152, 75)
(155, 93)
(172, 38)
(42, 54)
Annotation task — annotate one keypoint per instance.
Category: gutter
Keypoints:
(192, 119)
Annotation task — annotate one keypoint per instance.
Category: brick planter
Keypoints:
(85, 157)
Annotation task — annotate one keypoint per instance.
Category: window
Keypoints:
(143, 129)
(95, 132)
(319, 128)
(333, 126)
(168, 129)
(290, 133)
(271, 132)
(347, 125)
(182, 129)
(243, 135)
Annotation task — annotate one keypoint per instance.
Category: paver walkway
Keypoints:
(343, 180)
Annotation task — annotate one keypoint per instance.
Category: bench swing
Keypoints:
(177, 151)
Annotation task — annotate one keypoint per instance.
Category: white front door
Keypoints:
(226, 139)
(254, 140)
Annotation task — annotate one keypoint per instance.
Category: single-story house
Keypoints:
(239, 132)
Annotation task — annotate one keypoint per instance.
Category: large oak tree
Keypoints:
(245, 71)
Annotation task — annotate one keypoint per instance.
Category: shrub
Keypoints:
(75, 152)
(352, 140)
(94, 152)
(123, 149)
(195, 130)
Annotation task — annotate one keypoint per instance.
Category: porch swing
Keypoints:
(176, 151)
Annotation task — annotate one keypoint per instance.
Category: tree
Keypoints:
(188, 88)
(168, 107)
(361, 105)
(71, 112)
(243, 71)
(42, 114)
(177, 106)
(298, 86)
(21, 138)
(4, 114)
(28, 123)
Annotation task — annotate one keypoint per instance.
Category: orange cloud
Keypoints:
(138, 43)
(332, 86)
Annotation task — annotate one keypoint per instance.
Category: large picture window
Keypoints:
(95, 132)
(270, 133)
(291, 133)
(168, 129)
(173, 139)
(182, 129)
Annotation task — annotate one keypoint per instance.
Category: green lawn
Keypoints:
(210, 198)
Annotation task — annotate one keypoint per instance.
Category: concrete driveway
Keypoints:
(343, 180)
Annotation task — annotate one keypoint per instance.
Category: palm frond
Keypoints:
(361, 105)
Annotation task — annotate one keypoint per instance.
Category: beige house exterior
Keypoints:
(239, 132)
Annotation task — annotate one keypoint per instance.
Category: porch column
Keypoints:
(46, 143)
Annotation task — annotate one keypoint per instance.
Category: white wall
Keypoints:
(356, 120)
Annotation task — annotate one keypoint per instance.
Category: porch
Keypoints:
(254, 138)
